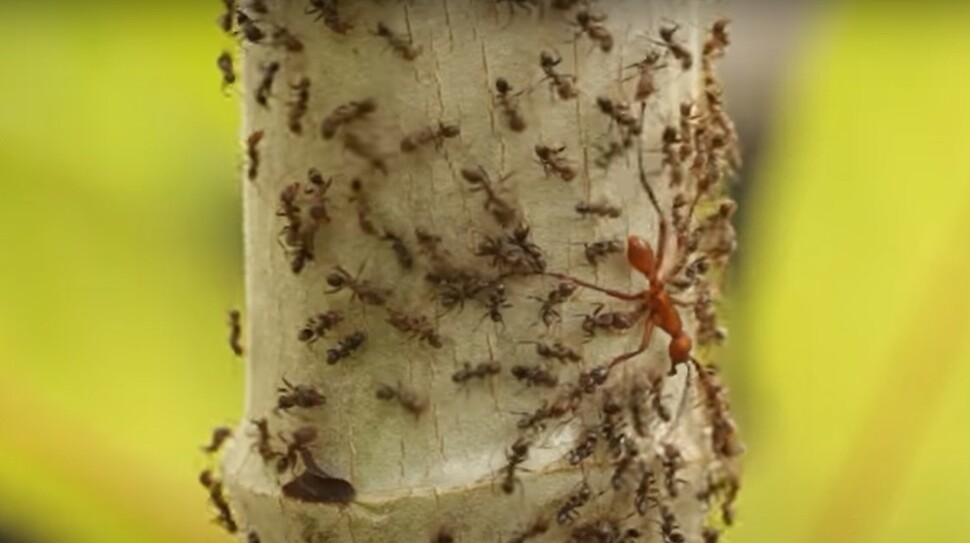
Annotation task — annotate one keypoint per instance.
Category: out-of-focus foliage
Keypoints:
(119, 213)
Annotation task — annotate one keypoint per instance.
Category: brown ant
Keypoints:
(262, 444)
(558, 351)
(549, 312)
(585, 448)
(551, 160)
(266, 83)
(296, 238)
(344, 114)
(671, 461)
(619, 113)
(607, 154)
(367, 293)
(503, 213)
(724, 435)
(601, 209)
(646, 86)
(431, 134)
(538, 527)
(718, 40)
(623, 465)
(285, 39)
(218, 499)
(598, 251)
(299, 105)
(235, 332)
(656, 398)
(252, 151)
(516, 456)
(317, 191)
(496, 302)
(611, 321)
(224, 62)
(317, 326)
(301, 437)
(401, 251)
(248, 27)
(226, 20)
(417, 327)
(365, 151)
(710, 535)
(603, 531)
(534, 376)
(219, 436)
(480, 371)
(562, 84)
(507, 254)
(304, 396)
(328, 11)
(403, 47)
(509, 104)
(669, 528)
(567, 513)
(409, 400)
(679, 52)
(589, 24)
(345, 347)
(646, 494)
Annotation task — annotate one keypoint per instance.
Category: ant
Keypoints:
(646, 86)
(656, 398)
(248, 27)
(719, 39)
(345, 347)
(317, 190)
(562, 84)
(266, 83)
(226, 20)
(503, 213)
(589, 24)
(219, 436)
(496, 303)
(612, 321)
(646, 494)
(408, 399)
(317, 326)
(549, 312)
(401, 251)
(601, 209)
(299, 105)
(557, 351)
(224, 62)
(235, 332)
(659, 305)
(344, 114)
(623, 465)
(218, 499)
(585, 448)
(604, 531)
(608, 153)
(669, 528)
(252, 151)
(285, 39)
(509, 104)
(303, 396)
(724, 432)
(481, 371)
(403, 47)
(417, 327)
(328, 11)
(444, 535)
(568, 511)
(551, 160)
(360, 148)
(262, 444)
(516, 456)
(679, 52)
(367, 293)
(437, 135)
(710, 535)
(301, 437)
(538, 527)
(296, 240)
(535, 376)
(619, 112)
(599, 250)
(671, 461)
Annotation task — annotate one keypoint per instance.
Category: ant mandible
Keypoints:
(658, 303)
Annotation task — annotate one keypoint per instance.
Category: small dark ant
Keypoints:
(646, 494)
(567, 513)
(604, 531)
(551, 160)
(317, 326)
(365, 151)
(266, 83)
(679, 52)
(345, 347)
(622, 466)
(535, 376)
(589, 24)
(718, 40)
(558, 351)
(367, 293)
(296, 238)
(328, 11)
(218, 499)
(496, 302)
(480, 371)
(606, 154)
(431, 134)
(248, 27)
(562, 84)
(592, 379)
(601, 209)
(510, 105)
(656, 398)
(710, 535)
(444, 535)
(724, 436)
(226, 19)
(409, 400)
(646, 86)
(285, 39)
(612, 321)
(219, 436)
(584, 449)
(515, 456)
(299, 105)
(538, 527)
(401, 251)
(404, 47)
(619, 113)
(636, 402)
(416, 326)
(262, 445)
(672, 462)
(317, 191)
(304, 396)
(549, 312)
(503, 213)
(301, 437)
(598, 251)
(235, 332)
(344, 114)
(252, 151)
(224, 62)
(253, 537)
(669, 528)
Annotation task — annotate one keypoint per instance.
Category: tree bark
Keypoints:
(452, 233)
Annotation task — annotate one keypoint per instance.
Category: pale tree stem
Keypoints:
(428, 238)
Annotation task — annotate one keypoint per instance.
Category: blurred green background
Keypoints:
(119, 207)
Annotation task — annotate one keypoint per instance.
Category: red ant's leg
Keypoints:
(644, 343)
(661, 244)
(611, 292)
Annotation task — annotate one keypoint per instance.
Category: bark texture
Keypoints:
(472, 389)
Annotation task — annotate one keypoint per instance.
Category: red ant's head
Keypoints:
(640, 255)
